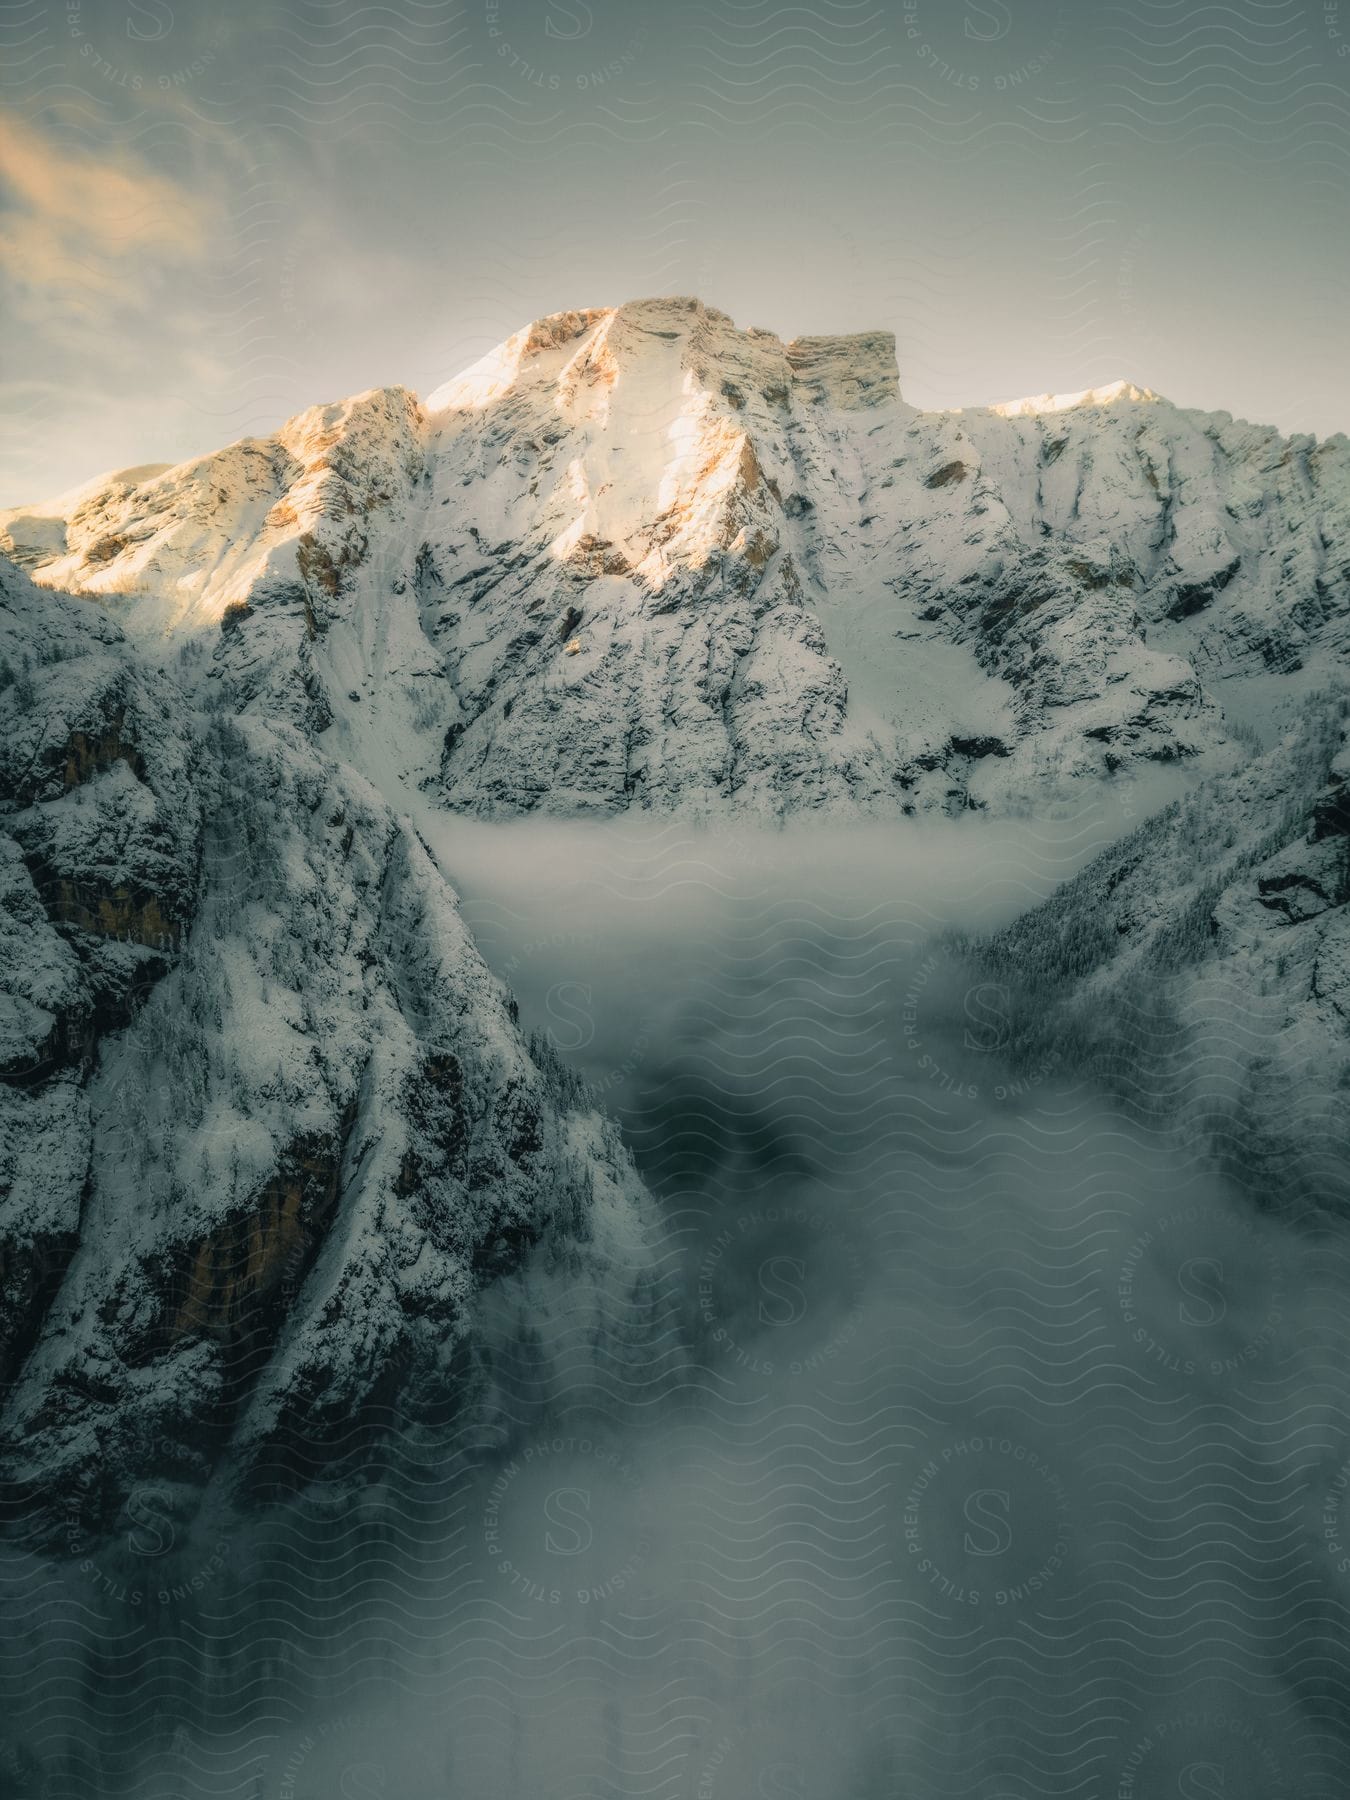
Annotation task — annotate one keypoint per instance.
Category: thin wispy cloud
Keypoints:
(79, 233)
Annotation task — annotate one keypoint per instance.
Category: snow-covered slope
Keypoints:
(266, 1120)
(1201, 966)
(638, 556)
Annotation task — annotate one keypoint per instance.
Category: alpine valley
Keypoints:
(272, 1134)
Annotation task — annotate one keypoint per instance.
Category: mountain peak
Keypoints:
(600, 343)
(1110, 395)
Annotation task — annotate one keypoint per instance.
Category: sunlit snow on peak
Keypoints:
(1053, 403)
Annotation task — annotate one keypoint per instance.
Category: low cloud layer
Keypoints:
(960, 1438)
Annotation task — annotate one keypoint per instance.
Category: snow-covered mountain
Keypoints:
(267, 1123)
(266, 1120)
(640, 557)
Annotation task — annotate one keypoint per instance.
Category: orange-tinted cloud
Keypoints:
(79, 230)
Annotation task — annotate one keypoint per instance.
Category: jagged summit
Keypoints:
(597, 343)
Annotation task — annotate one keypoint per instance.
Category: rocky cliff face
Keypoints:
(102, 835)
(268, 1123)
(640, 557)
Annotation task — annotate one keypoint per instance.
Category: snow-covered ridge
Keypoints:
(841, 371)
(1053, 403)
(639, 556)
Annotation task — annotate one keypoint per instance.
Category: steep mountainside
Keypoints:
(266, 1121)
(640, 557)
(1201, 966)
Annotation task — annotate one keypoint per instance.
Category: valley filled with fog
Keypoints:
(957, 1432)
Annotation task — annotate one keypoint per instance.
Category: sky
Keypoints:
(212, 217)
